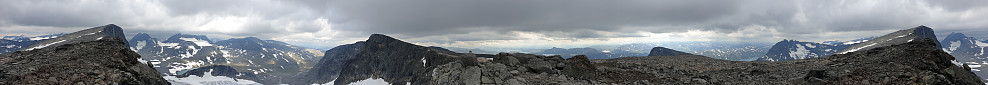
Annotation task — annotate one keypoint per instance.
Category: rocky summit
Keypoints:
(91, 34)
(105, 61)
(894, 38)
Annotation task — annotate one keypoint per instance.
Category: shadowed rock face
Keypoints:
(662, 51)
(104, 61)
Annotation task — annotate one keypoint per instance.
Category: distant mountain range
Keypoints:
(13, 43)
(271, 61)
(591, 53)
(101, 55)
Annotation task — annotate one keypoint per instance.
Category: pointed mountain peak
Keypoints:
(956, 35)
(381, 38)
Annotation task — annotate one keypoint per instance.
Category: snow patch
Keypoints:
(42, 38)
(856, 49)
(197, 41)
(854, 42)
(801, 53)
(168, 44)
(371, 81)
(140, 44)
(981, 44)
(810, 45)
(954, 45)
(423, 61)
(209, 79)
(9, 46)
(99, 38)
(958, 64)
(142, 61)
(46, 45)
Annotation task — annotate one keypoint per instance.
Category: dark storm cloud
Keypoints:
(427, 17)
(338, 21)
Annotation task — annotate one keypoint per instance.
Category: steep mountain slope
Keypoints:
(793, 50)
(894, 38)
(103, 61)
(662, 51)
(91, 34)
(13, 43)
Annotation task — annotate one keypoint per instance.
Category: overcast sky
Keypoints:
(500, 23)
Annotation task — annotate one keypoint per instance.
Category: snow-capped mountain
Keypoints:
(792, 50)
(959, 45)
(967, 50)
(91, 34)
(894, 38)
(12, 43)
(270, 60)
(276, 58)
(179, 52)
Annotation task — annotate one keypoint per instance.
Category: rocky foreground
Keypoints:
(106, 61)
(398, 62)
(918, 62)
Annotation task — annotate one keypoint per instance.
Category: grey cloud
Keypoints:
(427, 17)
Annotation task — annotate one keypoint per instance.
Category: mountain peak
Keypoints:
(897, 37)
(662, 51)
(91, 34)
(381, 38)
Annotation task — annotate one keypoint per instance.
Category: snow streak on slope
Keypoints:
(197, 41)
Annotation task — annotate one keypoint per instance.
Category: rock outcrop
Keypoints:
(104, 61)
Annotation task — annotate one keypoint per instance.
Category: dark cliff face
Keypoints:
(380, 56)
(662, 51)
(104, 61)
(91, 34)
